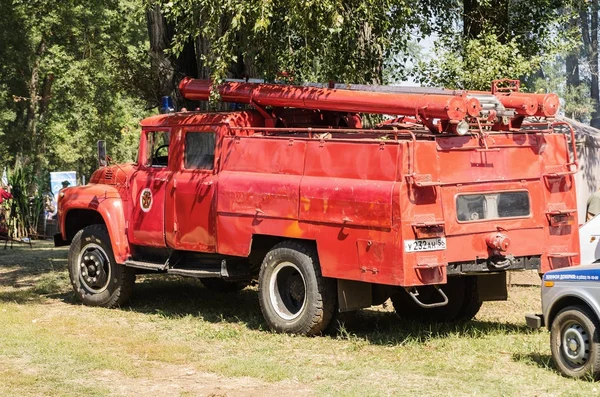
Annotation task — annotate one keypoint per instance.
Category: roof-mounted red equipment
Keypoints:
(453, 108)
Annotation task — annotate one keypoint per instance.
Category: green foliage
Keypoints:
(512, 39)
(477, 64)
(346, 41)
(70, 76)
(576, 101)
(23, 210)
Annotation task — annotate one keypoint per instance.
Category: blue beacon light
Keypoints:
(166, 105)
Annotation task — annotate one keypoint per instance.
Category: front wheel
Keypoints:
(294, 297)
(95, 276)
(574, 342)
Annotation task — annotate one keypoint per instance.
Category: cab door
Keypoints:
(191, 217)
(148, 189)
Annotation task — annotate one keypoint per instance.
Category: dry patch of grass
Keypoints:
(177, 338)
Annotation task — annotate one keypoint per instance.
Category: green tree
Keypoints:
(341, 40)
(67, 79)
(498, 39)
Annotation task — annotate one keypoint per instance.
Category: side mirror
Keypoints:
(102, 162)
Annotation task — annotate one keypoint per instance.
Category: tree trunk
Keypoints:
(595, 89)
(371, 51)
(572, 66)
(166, 70)
(589, 30)
(32, 115)
(572, 59)
(163, 70)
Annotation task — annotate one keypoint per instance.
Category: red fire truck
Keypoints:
(430, 206)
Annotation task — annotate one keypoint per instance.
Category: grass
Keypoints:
(178, 338)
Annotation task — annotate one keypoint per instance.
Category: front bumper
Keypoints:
(534, 321)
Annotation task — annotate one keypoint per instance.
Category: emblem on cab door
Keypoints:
(146, 200)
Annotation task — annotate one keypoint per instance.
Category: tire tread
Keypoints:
(324, 304)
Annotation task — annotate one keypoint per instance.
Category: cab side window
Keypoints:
(157, 148)
(200, 150)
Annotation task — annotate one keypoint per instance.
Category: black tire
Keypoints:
(293, 296)
(463, 302)
(574, 342)
(220, 285)
(96, 278)
(471, 301)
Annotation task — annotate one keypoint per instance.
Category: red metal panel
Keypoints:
(561, 245)
(466, 240)
(362, 159)
(276, 155)
(192, 203)
(106, 200)
(346, 201)
(337, 246)
(467, 247)
(508, 157)
(420, 207)
(257, 194)
(456, 227)
(147, 222)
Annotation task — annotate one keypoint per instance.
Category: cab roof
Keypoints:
(236, 118)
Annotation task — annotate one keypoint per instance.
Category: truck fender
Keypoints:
(84, 206)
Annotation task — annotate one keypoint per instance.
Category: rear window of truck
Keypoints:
(200, 150)
(497, 205)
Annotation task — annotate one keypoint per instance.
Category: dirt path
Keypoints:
(175, 380)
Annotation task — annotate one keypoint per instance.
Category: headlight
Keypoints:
(462, 128)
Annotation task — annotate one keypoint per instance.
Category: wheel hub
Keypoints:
(287, 290)
(94, 268)
(575, 344)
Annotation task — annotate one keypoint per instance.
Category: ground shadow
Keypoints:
(386, 328)
(40, 273)
(543, 361)
(30, 274)
(175, 298)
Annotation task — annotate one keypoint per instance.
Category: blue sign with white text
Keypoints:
(573, 275)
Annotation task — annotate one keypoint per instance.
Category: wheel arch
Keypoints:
(112, 217)
(262, 243)
(566, 301)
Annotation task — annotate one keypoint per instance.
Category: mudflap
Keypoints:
(492, 287)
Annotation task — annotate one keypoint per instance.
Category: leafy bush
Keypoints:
(23, 209)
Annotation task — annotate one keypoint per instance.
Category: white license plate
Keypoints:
(426, 244)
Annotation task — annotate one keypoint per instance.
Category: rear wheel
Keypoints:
(463, 302)
(95, 276)
(574, 342)
(294, 297)
(471, 301)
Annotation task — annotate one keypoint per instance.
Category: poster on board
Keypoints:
(59, 180)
